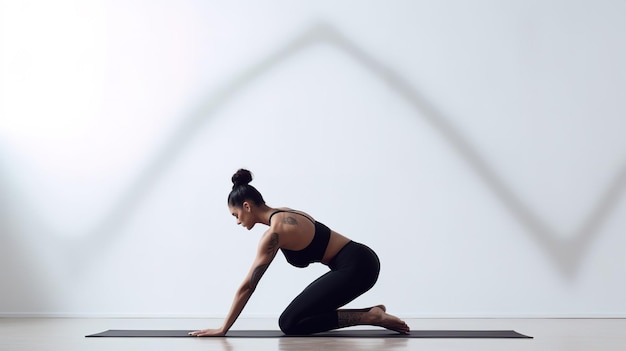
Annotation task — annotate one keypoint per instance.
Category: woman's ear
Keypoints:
(246, 206)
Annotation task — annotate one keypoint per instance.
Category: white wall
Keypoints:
(477, 146)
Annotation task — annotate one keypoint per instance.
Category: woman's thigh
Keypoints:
(340, 286)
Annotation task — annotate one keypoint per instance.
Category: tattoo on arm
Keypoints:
(290, 220)
(257, 274)
(272, 248)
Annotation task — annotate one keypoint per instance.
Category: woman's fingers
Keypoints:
(207, 332)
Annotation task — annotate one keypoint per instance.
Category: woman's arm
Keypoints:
(268, 247)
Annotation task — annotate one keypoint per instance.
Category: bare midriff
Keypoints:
(335, 244)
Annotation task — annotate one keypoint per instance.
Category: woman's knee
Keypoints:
(287, 324)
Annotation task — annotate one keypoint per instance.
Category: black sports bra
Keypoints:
(314, 252)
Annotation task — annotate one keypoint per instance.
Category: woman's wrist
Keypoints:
(223, 329)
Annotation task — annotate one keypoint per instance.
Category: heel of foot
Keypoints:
(382, 307)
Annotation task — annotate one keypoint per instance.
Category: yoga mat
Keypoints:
(346, 333)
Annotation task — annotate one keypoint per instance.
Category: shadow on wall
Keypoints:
(18, 266)
(566, 253)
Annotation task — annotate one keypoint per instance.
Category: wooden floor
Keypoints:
(67, 334)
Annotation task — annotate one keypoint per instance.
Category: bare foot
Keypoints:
(381, 318)
(382, 307)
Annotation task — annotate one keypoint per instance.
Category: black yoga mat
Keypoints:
(346, 333)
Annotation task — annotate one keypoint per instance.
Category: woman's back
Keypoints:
(304, 240)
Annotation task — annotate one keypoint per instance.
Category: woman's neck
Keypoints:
(263, 214)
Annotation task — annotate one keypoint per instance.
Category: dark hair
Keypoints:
(243, 191)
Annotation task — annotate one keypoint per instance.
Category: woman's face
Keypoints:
(243, 215)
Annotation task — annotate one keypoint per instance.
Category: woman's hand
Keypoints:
(208, 332)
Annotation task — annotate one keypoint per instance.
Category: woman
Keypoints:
(353, 268)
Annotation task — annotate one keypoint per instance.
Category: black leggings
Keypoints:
(353, 271)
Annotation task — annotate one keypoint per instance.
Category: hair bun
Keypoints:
(242, 177)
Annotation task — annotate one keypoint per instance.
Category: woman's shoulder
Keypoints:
(285, 209)
(285, 213)
(287, 220)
